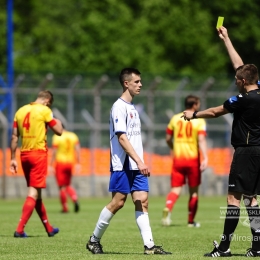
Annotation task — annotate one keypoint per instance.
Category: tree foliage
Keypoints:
(156, 36)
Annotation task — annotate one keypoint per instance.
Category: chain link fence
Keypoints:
(83, 104)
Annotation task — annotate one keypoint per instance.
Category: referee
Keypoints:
(244, 177)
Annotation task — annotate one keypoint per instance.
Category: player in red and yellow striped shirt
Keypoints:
(186, 139)
(66, 154)
(30, 124)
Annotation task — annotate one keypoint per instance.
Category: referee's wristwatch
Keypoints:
(195, 114)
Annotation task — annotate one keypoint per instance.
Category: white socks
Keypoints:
(143, 223)
(102, 224)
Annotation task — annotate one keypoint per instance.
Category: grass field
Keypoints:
(122, 239)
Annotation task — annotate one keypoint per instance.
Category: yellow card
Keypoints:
(220, 21)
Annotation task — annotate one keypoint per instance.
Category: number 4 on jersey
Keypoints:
(26, 122)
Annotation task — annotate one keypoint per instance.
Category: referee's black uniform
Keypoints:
(245, 168)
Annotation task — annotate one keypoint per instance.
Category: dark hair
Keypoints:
(126, 74)
(190, 101)
(46, 94)
(249, 72)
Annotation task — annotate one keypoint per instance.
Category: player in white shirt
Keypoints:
(124, 119)
(129, 173)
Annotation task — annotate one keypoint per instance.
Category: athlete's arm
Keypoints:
(51, 169)
(168, 139)
(13, 147)
(234, 56)
(56, 127)
(203, 148)
(128, 148)
(77, 152)
(53, 156)
(212, 112)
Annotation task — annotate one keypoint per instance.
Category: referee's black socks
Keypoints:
(231, 221)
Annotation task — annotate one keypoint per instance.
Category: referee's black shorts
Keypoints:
(244, 174)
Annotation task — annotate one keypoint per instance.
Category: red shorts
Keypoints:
(34, 164)
(63, 173)
(181, 173)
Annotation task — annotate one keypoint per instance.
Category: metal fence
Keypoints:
(83, 104)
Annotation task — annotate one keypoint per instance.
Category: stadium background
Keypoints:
(70, 48)
(83, 104)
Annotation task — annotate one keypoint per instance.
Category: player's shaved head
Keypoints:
(126, 74)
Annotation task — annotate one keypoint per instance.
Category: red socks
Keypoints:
(63, 200)
(29, 205)
(63, 197)
(170, 200)
(40, 208)
(193, 205)
(27, 211)
(72, 193)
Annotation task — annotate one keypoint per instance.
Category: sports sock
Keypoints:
(63, 200)
(143, 223)
(231, 221)
(254, 218)
(102, 224)
(40, 208)
(72, 193)
(27, 211)
(170, 200)
(192, 208)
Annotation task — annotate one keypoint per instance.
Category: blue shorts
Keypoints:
(128, 181)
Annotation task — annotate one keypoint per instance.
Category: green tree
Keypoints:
(157, 36)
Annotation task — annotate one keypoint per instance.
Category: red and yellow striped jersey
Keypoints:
(31, 121)
(185, 139)
(65, 145)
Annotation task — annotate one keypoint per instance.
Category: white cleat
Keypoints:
(166, 220)
(194, 224)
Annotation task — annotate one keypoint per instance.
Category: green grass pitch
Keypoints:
(122, 239)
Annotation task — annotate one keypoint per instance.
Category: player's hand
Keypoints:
(203, 165)
(143, 169)
(13, 167)
(187, 115)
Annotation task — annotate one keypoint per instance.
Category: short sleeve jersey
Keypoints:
(185, 139)
(124, 118)
(31, 121)
(65, 145)
(246, 123)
